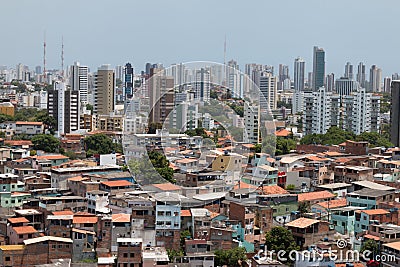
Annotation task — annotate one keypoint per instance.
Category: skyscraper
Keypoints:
(386, 84)
(375, 78)
(104, 98)
(79, 81)
(299, 69)
(268, 88)
(161, 93)
(202, 85)
(128, 81)
(330, 82)
(63, 105)
(348, 71)
(318, 68)
(361, 75)
(283, 77)
(234, 79)
(394, 113)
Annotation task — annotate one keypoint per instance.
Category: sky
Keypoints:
(97, 32)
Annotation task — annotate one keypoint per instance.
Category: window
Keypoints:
(125, 255)
(53, 246)
(8, 258)
(107, 224)
(132, 255)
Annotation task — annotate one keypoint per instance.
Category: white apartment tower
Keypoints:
(79, 81)
(251, 133)
(268, 91)
(317, 111)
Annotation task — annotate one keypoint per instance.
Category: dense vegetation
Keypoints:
(101, 144)
(280, 239)
(335, 136)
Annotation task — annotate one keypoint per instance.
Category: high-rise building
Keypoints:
(202, 85)
(346, 86)
(283, 78)
(128, 81)
(251, 133)
(161, 94)
(63, 105)
(361, 79)
(234, 79)
(357, 112)
(38, 69)
(330, 82)
(268, 91)
(310, 80)
(348, 71)
(394, 114)
(375, 78)
(299, 72)
(318, 68)
(79, 81)
(104, 95)
(317, 111)
(119, 72)
(386, 84)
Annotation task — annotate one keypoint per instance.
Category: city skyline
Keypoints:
(172, 40)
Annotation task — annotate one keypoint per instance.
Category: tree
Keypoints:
(89, 107)
(303, 207)
(70, 154)
(231, 257)
(153, 126)
(280, 239)
(152, 168)
(173, 254)
(284, 146)
(48, 120)
(374, 139)
(290, 187)
(184, 235)
(370, 245)
(46, 142)
(100, 144)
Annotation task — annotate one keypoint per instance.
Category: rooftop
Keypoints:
(302, 223)
(373, 185)
(167, 187)
(319, 195)
(84, 219)
(375, 212)
(12, 247)
(47, 238)
(21, 230)
(334, 185)
(117, 183)
(393, 245)
(18, 220)
(335, 203)
(121, 218)
(368, 192)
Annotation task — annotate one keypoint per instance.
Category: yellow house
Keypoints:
(7, 108)
(227, 162)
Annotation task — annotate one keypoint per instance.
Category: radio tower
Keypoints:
(62, 57)
(44, 56)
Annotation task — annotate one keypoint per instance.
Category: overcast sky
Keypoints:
(171, 31)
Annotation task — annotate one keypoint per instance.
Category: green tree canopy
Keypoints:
(101, 144)
(370, 245)
(231, 257)
(280, 239)
(46, 142)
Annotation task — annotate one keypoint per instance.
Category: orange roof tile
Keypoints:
(336, 203)
(186, 213)
(63, 212)
(248, 145)
(319, 195)
(394, 245)
(283, 133)
(77, 178)
(121, 217)
(314, 158)
(167, 187)
(52, 157)
(302, 223)
(244, 185)
(21, 230)
(375, 212)
(18, 142)
(273, 190)
(84, 219)
(186, 160)
(18, 220)
(117, 183)
(342, 160)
